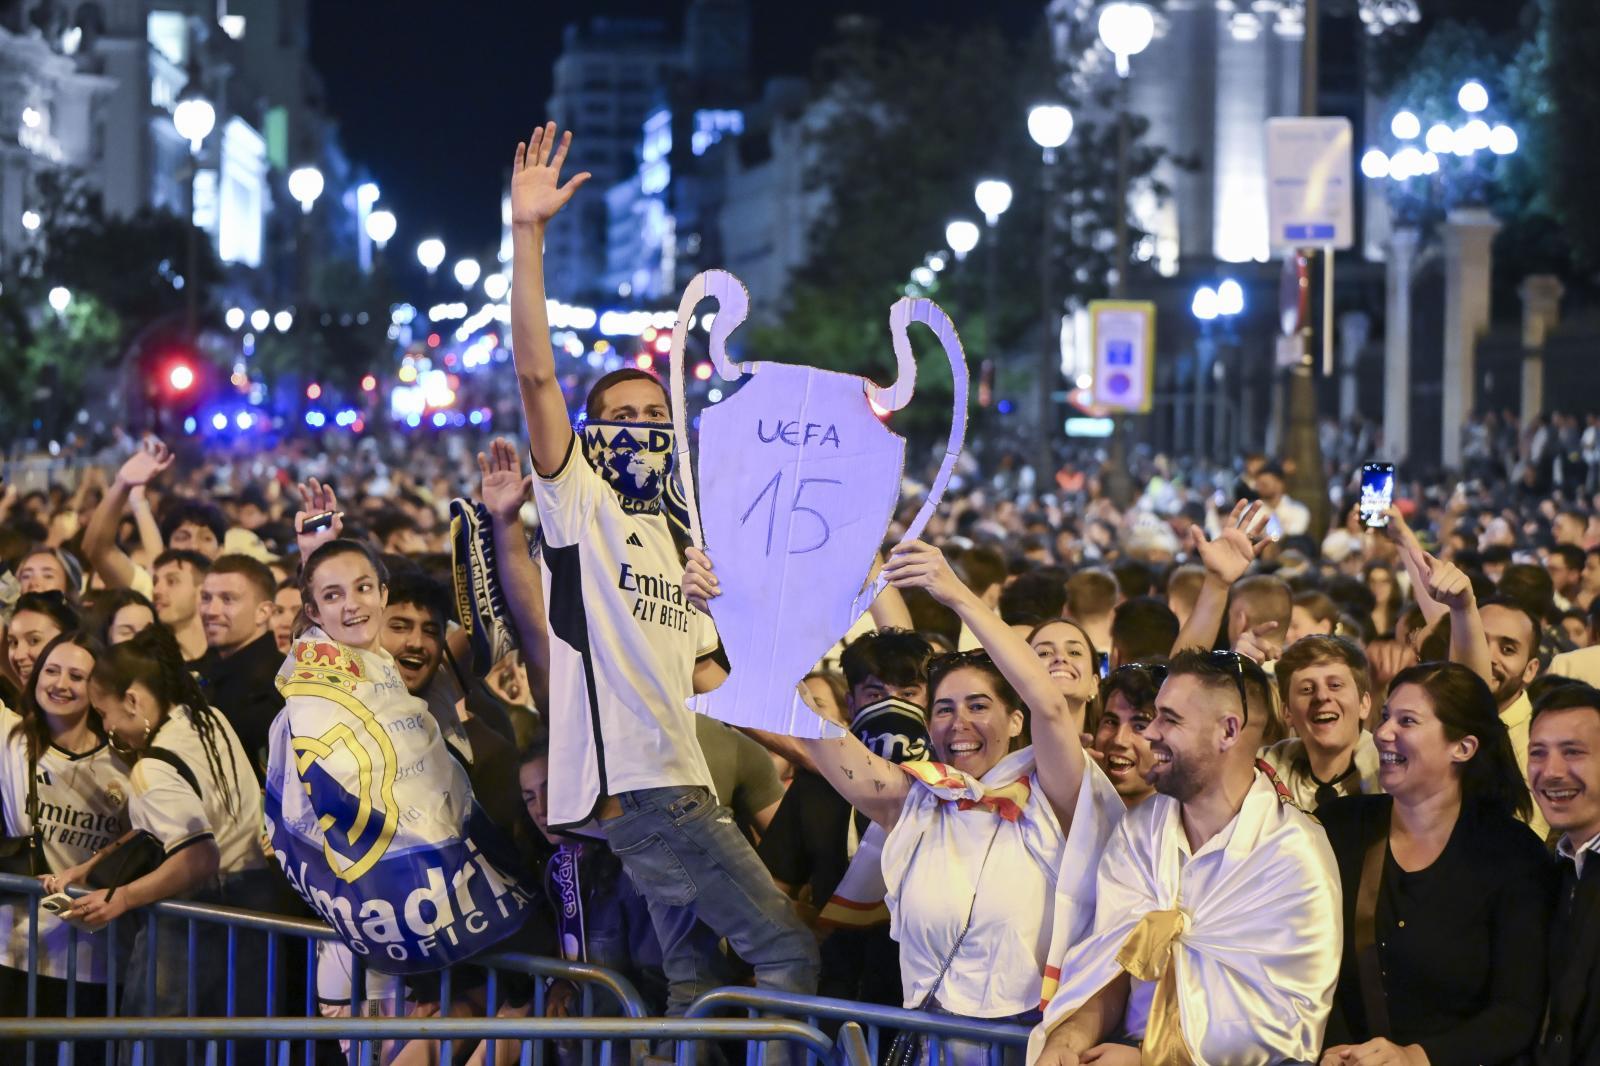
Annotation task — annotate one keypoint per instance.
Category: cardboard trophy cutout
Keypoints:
(800, 481)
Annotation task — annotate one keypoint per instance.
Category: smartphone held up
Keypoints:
(1377, 494)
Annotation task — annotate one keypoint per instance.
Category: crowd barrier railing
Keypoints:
(994, 1038)
(277, 956)
(364, 1033)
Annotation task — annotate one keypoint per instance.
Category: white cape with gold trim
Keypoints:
(1256, 956)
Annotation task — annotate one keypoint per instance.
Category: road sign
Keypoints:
(1309, 183)
(1123, 338)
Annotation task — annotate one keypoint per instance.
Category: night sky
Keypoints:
(432, 97)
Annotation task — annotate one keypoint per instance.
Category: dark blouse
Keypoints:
(1461, 944)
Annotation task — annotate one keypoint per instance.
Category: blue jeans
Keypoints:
(690, 862)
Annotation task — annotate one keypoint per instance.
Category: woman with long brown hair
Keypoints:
(65, 792)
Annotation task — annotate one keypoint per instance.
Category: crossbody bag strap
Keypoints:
(1373, 997)
(171, 759)
(972, 909)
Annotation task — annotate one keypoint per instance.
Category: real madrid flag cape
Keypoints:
(374, 821)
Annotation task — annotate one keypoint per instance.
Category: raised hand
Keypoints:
(1236, 547)
(536, 192)
(142, 466)
(316, 498)
(1444, 581)
(915, 565)
(502, 486)
(700, 584)
(1257, 643)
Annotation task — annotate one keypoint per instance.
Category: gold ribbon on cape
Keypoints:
(1147, 955)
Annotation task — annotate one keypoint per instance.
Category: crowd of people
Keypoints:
(1175, 782)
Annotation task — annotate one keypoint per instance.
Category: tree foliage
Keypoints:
(1566, 85)
(909, 126)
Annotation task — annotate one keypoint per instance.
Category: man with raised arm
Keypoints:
(1217, 927)
(626, 650)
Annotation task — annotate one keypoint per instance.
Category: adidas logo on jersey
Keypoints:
(634, 541)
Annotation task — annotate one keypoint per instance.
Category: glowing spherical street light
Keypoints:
(1049, 125)
(260, 319)
(1405, 125)
(380, 227)
(305, 185)
(962, 236)
(193, 117)
(234, 318)
(1230, 297)
(1205, 305)
(282, 321)
(1502, 140)
(1441, 139)
(181, 377)
(430, 253)
(1473, 97)
(993, 197)
(1375, 163)
(30, 220)
(467, 272)
(495, 286)
(59, 298)
(923, 276)
(1126, 29)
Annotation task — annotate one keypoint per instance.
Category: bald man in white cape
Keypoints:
(1218, 925)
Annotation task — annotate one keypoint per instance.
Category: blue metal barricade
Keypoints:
(937, 1029)
(214, 932)
(531, 1033)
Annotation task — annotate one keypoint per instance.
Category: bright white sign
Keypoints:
(1309, 183)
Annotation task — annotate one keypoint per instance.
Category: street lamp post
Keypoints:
(194, 117)
(993, 198)
(380, 231)
(1049, 125)
(305, 185)
(1126, 29)
(1448, 171)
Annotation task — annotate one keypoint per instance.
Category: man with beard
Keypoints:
(242, 657)
(1513, 635)
(626, 650)
(1216, 891)
(1326, 690)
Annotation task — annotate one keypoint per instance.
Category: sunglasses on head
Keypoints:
(1230, 661)
(954, 660)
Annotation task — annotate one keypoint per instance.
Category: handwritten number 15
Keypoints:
(771, 490)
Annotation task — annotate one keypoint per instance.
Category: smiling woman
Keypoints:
(367, 807)
(990, 855)
(65, 790)
(1446, 893)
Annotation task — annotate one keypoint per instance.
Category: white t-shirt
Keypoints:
(164, 805)
(83, 806)
(623, 646)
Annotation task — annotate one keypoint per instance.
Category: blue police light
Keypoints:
(190, 425)
(440, 418)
